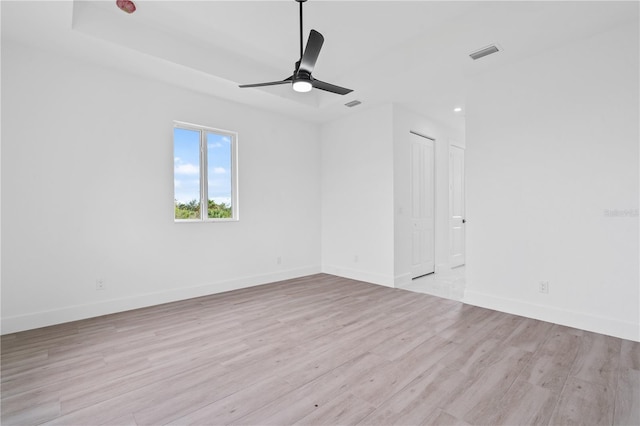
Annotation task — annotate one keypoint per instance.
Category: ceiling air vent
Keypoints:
(485, 51)
(352, 103)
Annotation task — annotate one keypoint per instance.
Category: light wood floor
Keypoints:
(318, 350)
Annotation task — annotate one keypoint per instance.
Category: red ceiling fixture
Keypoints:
(126, 5)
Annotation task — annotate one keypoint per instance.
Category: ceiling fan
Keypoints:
(302, 80)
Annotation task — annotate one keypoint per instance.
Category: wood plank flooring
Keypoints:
(318, 350)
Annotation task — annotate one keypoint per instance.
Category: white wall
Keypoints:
(87, 192)
(552, 143)
(357, 196)
(405, 121)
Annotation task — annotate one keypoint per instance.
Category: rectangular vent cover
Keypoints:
(484, 52)
(352, 103)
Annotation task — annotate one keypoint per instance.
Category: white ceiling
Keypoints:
(414, 53)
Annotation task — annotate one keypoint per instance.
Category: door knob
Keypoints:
(464, 220)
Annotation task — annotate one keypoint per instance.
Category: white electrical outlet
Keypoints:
(543, 287)
(100, 285)
(355, 258)
(278, 260)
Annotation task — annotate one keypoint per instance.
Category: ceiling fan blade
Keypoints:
(271, 83)
(311, 52)
(328, 87)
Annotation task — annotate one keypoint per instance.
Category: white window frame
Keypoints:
(204, 170)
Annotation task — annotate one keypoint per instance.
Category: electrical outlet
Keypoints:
(355, 258)
(278, 260)
(100, 285)
(543, 287)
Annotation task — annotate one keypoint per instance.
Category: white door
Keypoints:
(422, 205)
(456, 206)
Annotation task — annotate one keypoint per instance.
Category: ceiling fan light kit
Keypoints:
(302, 85)
(302, 80)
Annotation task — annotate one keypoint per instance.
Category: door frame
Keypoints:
(463, 208)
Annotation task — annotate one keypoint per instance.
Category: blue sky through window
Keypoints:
(219, 167)
(187, 166)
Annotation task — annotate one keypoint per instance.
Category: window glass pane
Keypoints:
(186, 173)
(219, 175)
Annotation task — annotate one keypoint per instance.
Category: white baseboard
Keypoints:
(79, 312)
(355, 274)
(402, 280)
(609, 326)
(441, 267)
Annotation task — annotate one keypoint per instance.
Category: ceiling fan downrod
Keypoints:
(301, 29)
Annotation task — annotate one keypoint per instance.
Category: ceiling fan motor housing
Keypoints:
(301, 75)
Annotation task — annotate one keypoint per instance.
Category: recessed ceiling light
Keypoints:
(457, 109)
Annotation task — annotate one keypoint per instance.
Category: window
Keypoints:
(204, 174)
